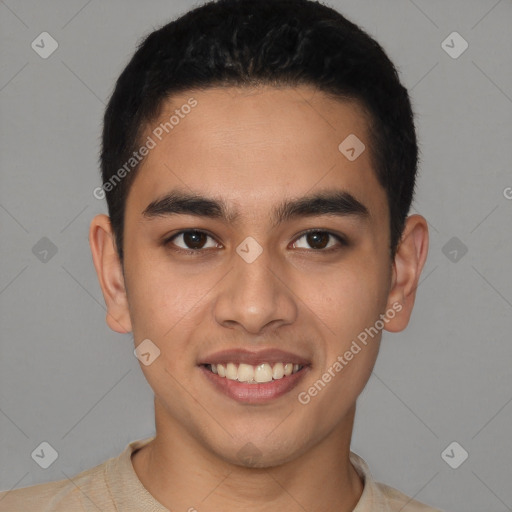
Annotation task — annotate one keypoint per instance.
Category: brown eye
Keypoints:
(319, 240)
(192, 240)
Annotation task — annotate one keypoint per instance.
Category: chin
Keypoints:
(253, 451)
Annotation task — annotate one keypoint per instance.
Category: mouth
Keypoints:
(251, 374)
(254, 377)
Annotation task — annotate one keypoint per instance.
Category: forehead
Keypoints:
(255, 146)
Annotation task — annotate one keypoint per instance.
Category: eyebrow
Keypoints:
(338, 203)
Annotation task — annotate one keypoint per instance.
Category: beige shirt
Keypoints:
(114, 487)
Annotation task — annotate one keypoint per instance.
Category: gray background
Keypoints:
(65, 378)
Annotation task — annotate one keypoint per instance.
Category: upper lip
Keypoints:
(255, 357)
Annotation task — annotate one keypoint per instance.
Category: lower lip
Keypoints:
(254, 393)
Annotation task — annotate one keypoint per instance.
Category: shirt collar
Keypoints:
(372, 497)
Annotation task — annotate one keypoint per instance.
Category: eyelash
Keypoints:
(342, 242)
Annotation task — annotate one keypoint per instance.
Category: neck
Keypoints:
(183, 475)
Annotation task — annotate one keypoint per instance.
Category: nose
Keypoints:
(255, 296)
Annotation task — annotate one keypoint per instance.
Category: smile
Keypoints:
(254, 374)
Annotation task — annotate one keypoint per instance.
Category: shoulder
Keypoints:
(80, 493)
(382, 497)
(400, 502)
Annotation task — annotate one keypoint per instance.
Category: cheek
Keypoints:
(347, 298)
(349, 304)
(162, 300)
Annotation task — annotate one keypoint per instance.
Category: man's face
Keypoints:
(304, 299)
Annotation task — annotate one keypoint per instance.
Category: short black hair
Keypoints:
(246, 43)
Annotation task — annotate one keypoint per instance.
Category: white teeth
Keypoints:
(278, 371)
(263, 372)
(231, 371)
(245, 373)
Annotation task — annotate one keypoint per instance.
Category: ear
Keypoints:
(110, 273)
(407, 266)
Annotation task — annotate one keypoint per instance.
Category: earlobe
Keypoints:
(110, 273)
(407, 266)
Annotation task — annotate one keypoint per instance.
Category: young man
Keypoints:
(259, 162)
